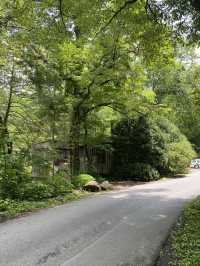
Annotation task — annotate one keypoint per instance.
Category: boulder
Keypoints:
(92, 186)
(106, 185)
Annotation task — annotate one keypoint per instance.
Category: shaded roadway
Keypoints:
(119, 228)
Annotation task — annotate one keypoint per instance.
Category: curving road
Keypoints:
(123, 228)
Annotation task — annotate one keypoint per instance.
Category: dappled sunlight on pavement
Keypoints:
(125, 227)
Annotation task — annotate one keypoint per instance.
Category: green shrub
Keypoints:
(180, 155)
(4, 205)
(12, 208)
(13, 177)
(36, 190)
(16, 187)
(60, 185)
(138, 143)
(80, 180)
(9, 187)
(149, 146)
(144, 172)
(9, 206)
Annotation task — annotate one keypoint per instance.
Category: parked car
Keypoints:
(195, 163)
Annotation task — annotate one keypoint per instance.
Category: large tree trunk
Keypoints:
(6, 144)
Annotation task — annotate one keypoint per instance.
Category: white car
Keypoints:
(195, 163)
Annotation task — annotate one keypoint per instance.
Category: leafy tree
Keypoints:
(176, 87)
(70, 69)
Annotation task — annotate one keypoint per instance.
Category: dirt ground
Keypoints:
(118, 185)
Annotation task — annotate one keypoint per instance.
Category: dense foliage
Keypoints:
(149, 146)
(16, 186)
(71, 70)
(185, 244)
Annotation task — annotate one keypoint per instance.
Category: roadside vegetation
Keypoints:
(13, 208)
(21, 194)
(183, 247)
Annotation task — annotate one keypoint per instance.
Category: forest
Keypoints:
(102, 89)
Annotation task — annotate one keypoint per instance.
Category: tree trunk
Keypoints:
(6, 144)
(75, 143)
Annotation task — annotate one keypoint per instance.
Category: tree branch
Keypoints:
(116, 13)
(98, 106)
(61, 14)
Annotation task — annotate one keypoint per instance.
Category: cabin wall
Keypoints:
(92, 160)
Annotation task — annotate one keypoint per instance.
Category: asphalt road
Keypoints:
(123, 228)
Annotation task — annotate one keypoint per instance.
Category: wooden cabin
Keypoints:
(48, 160)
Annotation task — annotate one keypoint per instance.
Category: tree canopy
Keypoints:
(70, 71)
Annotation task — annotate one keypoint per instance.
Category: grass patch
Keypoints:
(12, 208)
(186, 239)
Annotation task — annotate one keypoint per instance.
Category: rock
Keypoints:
(106, 185)
(92, 186)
